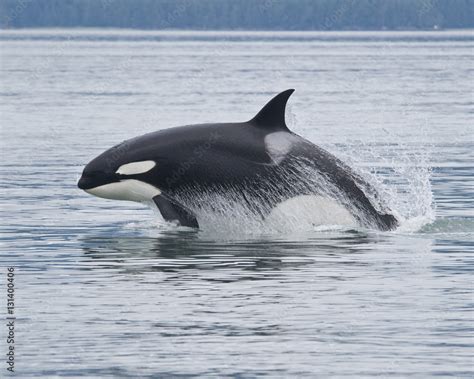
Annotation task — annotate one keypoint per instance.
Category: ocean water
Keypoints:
(107, 289)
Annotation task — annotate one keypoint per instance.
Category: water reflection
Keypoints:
(177, 250)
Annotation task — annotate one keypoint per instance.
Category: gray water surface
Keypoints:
(107, 289)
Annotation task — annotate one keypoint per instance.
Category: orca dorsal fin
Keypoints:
(272, 115)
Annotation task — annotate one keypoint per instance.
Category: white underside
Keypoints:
(131, 189)
(311, 211)
(299, 211)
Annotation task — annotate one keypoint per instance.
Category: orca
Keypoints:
(259, 163)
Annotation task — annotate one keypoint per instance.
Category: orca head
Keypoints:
(117, 174)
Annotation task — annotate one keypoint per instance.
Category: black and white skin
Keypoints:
(259, 163)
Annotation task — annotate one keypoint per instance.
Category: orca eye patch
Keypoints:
(135, 167)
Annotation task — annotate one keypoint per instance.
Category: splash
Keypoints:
(401, 174)
(453, 226)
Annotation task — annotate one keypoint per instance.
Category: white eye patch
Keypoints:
(135, 168)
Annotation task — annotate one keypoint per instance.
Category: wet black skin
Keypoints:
(224, 155)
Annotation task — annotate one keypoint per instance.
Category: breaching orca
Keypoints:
(259, 163)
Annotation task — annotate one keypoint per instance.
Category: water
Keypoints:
(106, 289)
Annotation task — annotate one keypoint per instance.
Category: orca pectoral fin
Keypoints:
(173, 211)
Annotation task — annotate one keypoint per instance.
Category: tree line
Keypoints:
(239, 14)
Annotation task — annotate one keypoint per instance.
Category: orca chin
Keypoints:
(129, 190)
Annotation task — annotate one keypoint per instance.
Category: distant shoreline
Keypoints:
(236, 31)
(278, 15)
